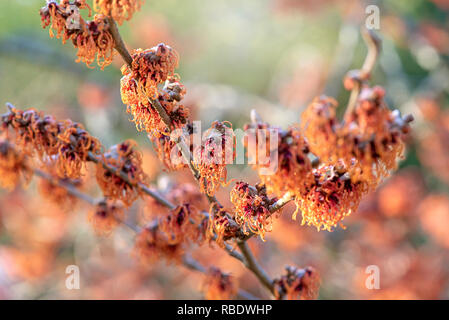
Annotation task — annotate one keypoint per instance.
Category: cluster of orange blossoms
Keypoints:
(63, 149)
(298, 284)
(252, 208)
(211, 157)
(93, 39)
(330, 198)
(126, 159)
(221, 225)
(119, 10)
(151, 82)
(219, 286)
(351, 157)
(64, 143)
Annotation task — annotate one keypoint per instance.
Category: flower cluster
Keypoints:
(319, 124)
(329, 165)
(106, 216)
(170, 234)
(212, 156)
(150, 67)
(93, 39)
(297, 284)
(294, 165)
(221, 226)
(252, 208)
(119, 10)
(126, 159)
(64, 143)
(219, 286)
(184, 223)
(331, 198)
(145, 97)
(145, 116)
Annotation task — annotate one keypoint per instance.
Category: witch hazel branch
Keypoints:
(322, 164)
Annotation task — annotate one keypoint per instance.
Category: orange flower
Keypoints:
(183, 223)
(319, 126)
(92, 38)
(293, 173)
(330, 199)
(125, 159)
(34, 132)
(297, 284)
(106, 216)
(371, 140)
(252, 208)
(145, 115)
(219, 286)
(75, 144)
(150, 67)
(119, 10)
(168, 150)
(220, 228)
(211, 158)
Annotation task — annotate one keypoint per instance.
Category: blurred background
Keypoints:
(271, 55)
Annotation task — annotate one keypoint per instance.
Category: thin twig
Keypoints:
(154, 194)
(67, 186)
(373, 43)
(80, 195)
(256, 269)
